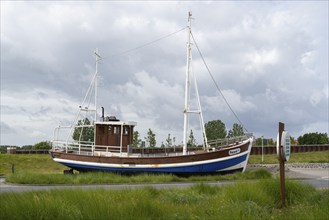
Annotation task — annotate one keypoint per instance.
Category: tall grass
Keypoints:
(253, 200)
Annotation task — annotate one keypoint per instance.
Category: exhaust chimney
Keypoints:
(103, 113)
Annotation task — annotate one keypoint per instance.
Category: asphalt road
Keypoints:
(319, 178)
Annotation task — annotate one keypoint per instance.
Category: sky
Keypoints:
(269, 58)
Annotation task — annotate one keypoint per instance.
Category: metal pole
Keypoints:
(281, 161)
(262, 150)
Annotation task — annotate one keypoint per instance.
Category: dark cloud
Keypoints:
(6, 129)
(269, 59)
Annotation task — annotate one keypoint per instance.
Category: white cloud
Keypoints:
(34, 116)
(257, 60)
(152, 103)
(322, 127)
(235, 100)
(318, 96)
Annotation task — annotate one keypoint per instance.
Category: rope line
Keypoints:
(218, 88)
(144, 45)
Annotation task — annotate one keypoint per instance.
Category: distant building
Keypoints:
(11, 150)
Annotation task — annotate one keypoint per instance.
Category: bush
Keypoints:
(44, 145)
(313, 138)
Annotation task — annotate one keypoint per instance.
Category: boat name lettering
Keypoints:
(234, 151)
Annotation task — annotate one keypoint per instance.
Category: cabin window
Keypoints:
(116, 130)
(110, 129)
(125, 130)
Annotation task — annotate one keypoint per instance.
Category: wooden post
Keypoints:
(281, 161)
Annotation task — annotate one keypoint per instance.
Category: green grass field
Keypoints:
(31, 163)
(252, 200)
(308, 157)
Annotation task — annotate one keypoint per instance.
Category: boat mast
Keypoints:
(187, 83)
(187, 109)
(98, 58)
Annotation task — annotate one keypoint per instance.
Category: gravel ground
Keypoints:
(297, 170)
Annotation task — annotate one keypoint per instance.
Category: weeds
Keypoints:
(111, 178)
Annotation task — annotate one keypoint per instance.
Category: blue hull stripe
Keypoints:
(203, 168)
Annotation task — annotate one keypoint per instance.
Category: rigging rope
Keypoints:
(213, 79)
(144, 45)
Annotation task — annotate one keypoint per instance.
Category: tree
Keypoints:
(236, 131)
(266, 142)
(86, 133)
(191, 140)
(43, 145)
(150, 138)
(313, 138)
(27, 147)
(136, 140)
(293, 141)
(168, 141)
(215, 129)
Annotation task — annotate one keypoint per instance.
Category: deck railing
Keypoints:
(228, 141)
(86, 148)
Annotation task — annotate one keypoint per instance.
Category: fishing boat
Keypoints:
(111, 148)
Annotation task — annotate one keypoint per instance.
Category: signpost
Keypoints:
(283, 149)
(286, 147)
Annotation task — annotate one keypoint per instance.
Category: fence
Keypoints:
(31, 151)
(294, 149)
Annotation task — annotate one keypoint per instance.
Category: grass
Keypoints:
(32, 163)
(307, 157)
(252, 200)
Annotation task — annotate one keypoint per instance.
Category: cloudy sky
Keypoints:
(270, 60)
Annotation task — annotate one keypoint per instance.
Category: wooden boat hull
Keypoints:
(228, 160)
